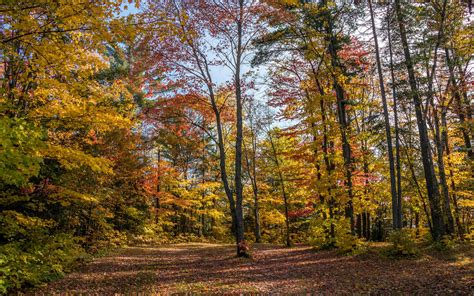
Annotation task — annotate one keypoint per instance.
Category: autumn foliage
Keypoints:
(243, 121)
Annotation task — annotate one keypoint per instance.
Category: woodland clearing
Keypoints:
(213, 268)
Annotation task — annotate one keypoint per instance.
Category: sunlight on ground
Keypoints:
(213, 268)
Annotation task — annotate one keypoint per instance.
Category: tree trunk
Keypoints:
(397, 132)
(158, 186)
(239, 219)
(467, 104)
(331, 40)
(442, 174)
(418, 190)
(235, 205)
(368, 235)
(252, 172)
(222, 166)
(366, 193)
(203, 67)
(417, 223)
(359, 225)
(325, 146)
(283, 191)
(444, 134)
(364, 224)
(391, 160)
(460, 106)
(437, 137)
(428, 168)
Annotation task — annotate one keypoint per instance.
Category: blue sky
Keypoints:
(222, 74)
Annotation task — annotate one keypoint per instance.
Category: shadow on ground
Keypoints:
(210, 268)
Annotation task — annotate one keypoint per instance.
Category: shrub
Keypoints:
(320, 236)
(403, 244)
(446, 243)
(29, 263)
(347, 243)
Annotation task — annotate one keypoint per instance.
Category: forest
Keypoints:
(236, 146)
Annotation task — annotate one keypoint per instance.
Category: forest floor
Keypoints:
(213, 268)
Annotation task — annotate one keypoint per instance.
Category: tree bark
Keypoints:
(393, 187)
(445, 138)
(460, 106)
(331, 40)
(252, 172)
(158, 186)
(239, 219)
(397, 132)
(283, 191)
(418, 190)
(325, 147)
(442, 173)
(428, 168)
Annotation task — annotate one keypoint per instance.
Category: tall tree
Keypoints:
(283, 189)
(425, 146)
(396, 215)
(396, 121)
(203, 34)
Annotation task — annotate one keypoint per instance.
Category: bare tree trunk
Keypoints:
(397, 132)
(252, 172)
(460, 106)
(158, 186)
(467, 104)
(359, 225)
(442, 174)
(202, 64)
(393, 187)
(222, 161)
(366, 193)
(203, 69)
(283, 191)
(417, 223)
(239, 219)
(418, 190)
(437, 137)
(364, 224)
(430, 177)
(368, 225)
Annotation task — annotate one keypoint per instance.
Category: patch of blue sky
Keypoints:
(222, 75)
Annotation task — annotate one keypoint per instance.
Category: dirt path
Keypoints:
(206, 268)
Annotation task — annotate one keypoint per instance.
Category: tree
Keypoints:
(430, 177)
(396, 214)
(231, 26)
(70, 150)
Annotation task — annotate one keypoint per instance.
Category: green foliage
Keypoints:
(75, 174)
(445, 244)
(348, 243)
(20, 142)
(71, 174)
(403, 244)
(29, 263)
(188, 238)
(320, 236)
(15, 225)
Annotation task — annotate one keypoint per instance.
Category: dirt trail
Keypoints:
(208, 268)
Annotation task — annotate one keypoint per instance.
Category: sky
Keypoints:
(221, 74)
